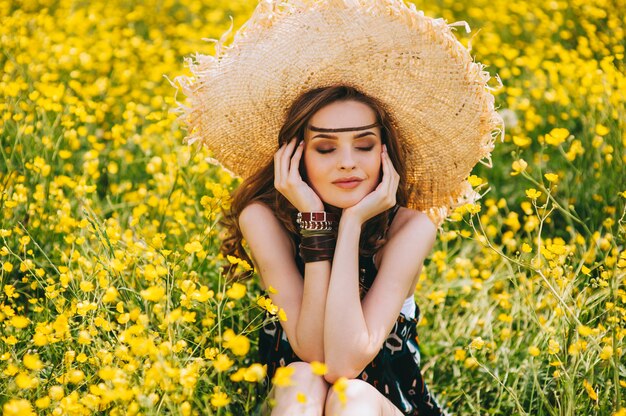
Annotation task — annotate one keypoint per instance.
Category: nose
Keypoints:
(346, 160)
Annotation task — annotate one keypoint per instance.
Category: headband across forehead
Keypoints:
(342, 129)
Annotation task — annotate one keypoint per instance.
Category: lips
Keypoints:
(348, 183)
(348, 179)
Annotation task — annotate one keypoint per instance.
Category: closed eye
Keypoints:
(363, 149)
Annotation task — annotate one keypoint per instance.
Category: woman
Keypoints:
(349, 300)
(380, 115)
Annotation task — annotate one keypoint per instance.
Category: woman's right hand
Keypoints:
(287, 179)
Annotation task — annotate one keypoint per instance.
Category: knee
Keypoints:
(303, 373)
(305, 395)
(351, 397)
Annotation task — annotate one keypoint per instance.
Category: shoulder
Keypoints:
(261, 228)
(256, 212)
(410, 232)
(410, 221)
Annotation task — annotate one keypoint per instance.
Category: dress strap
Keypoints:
(367, 266)
(392, 214)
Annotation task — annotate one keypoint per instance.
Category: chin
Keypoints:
(346, 202)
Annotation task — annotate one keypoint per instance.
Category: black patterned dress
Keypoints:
(395, 371)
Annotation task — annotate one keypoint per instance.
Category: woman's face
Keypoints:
(343, 166)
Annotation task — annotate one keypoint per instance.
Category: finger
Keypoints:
(286, 156)
(278, 164)
(283, 162)
(390, 175)
(386, 171)
(295, 160)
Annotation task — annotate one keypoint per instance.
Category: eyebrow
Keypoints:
(343, 129)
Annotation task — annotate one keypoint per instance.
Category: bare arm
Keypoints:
(354, 331)
(304, 300)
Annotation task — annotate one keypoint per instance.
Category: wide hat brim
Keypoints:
(424, 77)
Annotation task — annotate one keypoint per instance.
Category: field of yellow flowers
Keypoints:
(112, 297)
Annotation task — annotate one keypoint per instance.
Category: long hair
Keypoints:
(260, 185)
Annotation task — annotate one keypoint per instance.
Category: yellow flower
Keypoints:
(7, 267)
(110, 295)
(266, 303)
(219, 399)
(532, 193)
(236, 291)
(11, 370)
(282, 376)
(584, 330)
(86, 286)
(25, 381)
(282, 315)
(76, 376)
(477, 343)
(238, 375)
(238, 344)
(210, 353)
(10, 340)
(521, 141)
(318, 368)
(534, 351)
(56, 392)
(43, 402)
(602, 130)
(590, 391)
(606, 353)
(18, 407)
(256, 372)
(470, 362)
(526, 248)
(438, 297)
(32, 362)
(586, 270)
(460, 354)
(340, 388)
(19, 322)
(193, 247)
(474, 180)
(553, 347)
(222, 363)
(153, 293)
(519, 166)
(301, 397)
(240, 262)
(557, 136)
(551, 177)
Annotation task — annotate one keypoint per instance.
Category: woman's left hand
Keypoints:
(380, 199)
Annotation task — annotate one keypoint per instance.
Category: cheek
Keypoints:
(375, 166)
(311, 166)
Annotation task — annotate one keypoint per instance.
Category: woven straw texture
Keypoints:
(425, 78)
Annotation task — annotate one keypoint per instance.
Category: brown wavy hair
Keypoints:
(260, 186)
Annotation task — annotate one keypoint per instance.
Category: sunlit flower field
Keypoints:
(112, 293)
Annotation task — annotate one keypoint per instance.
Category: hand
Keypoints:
(287, 179)
(380, 199)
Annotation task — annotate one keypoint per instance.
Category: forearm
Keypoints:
(310, 326)
(345, 329)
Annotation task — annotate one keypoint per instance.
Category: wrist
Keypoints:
(350, 219)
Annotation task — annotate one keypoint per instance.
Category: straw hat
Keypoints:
(425, 78)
